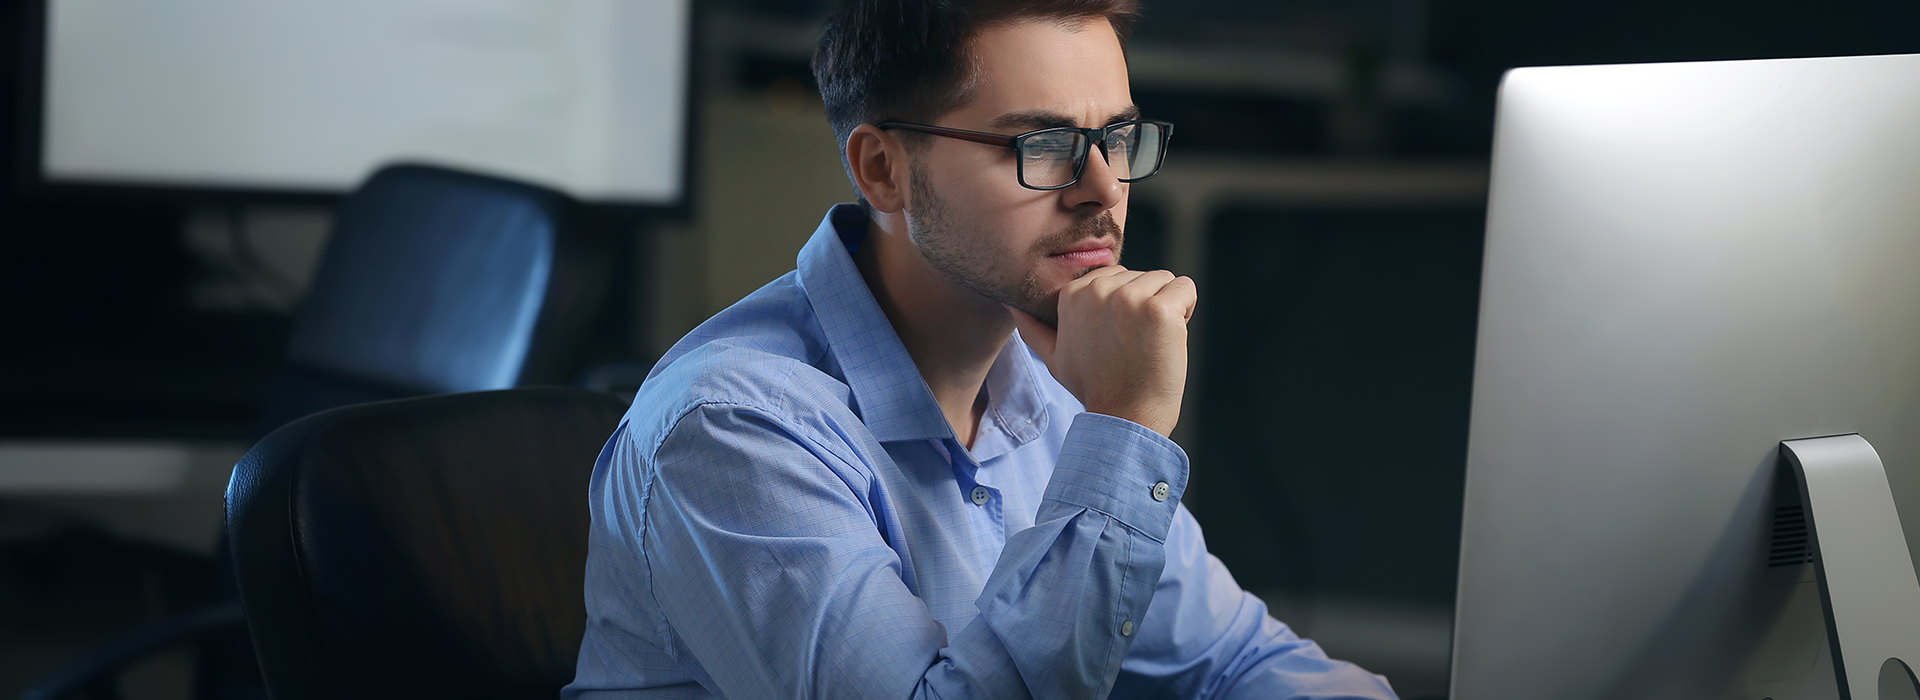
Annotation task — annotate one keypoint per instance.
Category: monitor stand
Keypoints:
(1867, 583)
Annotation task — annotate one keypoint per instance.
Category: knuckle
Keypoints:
(1168, 307)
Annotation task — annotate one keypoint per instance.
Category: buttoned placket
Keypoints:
(966, 476)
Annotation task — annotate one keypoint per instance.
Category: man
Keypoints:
(860, 482)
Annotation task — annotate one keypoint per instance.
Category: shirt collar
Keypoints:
(889, 394)
(1016, 405)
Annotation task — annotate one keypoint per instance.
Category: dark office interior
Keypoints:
(1327, 417)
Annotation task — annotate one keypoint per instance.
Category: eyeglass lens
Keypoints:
(1052, 158)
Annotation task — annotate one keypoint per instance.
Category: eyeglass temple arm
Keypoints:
(962, 134)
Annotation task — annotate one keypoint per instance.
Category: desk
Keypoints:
(157, 491)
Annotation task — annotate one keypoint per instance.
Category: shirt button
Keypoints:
(1160, 491)
(979, 495)
(1126, 628)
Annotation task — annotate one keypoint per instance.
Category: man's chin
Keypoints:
(1046, 309)
(1082, 272)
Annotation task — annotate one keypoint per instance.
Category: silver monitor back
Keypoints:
(1685, 264)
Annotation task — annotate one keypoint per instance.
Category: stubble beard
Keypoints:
(971, 260)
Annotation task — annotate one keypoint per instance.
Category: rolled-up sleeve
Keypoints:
(766, 564)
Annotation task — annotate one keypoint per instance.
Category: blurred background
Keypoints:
(1325, 186)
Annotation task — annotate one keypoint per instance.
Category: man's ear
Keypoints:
(880, 169)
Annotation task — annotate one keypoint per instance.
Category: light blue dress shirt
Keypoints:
(785, 513)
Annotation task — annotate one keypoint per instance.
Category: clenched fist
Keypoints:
(1121, 346)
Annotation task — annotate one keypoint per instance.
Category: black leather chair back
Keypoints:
(427, 547)
(440, 281)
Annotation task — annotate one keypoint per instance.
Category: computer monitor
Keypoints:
(1687, 264)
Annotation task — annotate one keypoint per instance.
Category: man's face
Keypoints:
(968, 214)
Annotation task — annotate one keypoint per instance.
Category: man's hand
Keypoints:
(1121, 346)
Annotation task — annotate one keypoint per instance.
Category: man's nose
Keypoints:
(1098, 186)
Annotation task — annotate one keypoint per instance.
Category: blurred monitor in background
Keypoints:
(587, 96)
(1686, 264)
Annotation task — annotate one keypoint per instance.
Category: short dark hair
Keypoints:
(911, 60)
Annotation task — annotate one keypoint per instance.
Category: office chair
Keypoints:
(433, 281)
(426, 547)
(439, 281)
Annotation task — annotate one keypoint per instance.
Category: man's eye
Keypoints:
(1048, 150)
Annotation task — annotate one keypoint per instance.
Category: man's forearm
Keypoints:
(1070, 594)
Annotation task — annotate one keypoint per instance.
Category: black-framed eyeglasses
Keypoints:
(1052, 159)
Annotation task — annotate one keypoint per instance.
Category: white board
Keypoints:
(586, 96)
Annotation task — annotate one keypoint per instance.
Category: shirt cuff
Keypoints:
(1120, 468)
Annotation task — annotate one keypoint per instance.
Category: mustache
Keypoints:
(1090, 227)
